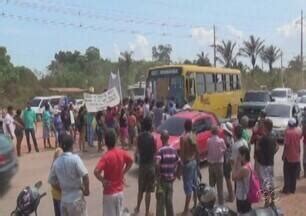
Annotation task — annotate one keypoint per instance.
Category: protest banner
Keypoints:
(99, 102)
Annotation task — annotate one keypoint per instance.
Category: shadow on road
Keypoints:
(4, 188)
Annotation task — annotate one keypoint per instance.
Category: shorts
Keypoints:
(146, 178)
(124, 134)
(132, 131)
(46, 132)
(113, 204)
(243, 206)
(77, 208)
(227, 169)
(190, 177)
(266, 176)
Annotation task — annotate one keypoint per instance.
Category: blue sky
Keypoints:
(34, 30)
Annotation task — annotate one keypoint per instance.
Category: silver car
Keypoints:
(280, 113)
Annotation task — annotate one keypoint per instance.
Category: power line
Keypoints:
(92, 15)
(88, 27)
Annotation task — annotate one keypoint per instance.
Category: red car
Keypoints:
(202, 122)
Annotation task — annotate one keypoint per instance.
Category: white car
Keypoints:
(280, 113)
(302, 102)
(282, 95)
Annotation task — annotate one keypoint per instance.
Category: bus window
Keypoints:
(190, 87)
(209, 81)
(234, 82)
(219, 83)
(238, 82)
(200, 84)
(231, 82)
(228, 83)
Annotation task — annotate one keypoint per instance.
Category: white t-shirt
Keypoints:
(71, 117)
(146, 110)
(8, 122)
(235, 148)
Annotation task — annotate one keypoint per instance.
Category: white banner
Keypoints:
(99, 102)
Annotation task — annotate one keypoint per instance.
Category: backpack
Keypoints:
(254, 193)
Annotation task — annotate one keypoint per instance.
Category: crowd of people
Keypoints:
(228, 156)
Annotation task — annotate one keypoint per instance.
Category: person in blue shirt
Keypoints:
(29, 119)
(47, 118)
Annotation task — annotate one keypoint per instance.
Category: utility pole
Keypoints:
(215, 55)
(282, 70)
(302, 58)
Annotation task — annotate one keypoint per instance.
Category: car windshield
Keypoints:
(302, 100)
(278, 110)
(174, 126)
(278, 93)
(301, 93)
(138, 91)
(256, 97)
(35, 102)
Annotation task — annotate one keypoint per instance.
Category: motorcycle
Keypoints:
(206, 207)
(28, 200)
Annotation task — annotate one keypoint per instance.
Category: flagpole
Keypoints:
(120, 90)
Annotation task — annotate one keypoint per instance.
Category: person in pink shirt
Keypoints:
(291, 156)
(215, 156)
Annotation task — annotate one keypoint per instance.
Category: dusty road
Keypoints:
(35, 166)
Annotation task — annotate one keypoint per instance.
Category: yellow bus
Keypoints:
(212, 89)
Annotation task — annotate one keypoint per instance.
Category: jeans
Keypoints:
(57, 207)
(164, 196)
(190, 176)
(31, 131)
(290, 176)
(90, 135)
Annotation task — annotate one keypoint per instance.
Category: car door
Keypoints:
(202, 129)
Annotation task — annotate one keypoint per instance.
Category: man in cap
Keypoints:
(291, 156)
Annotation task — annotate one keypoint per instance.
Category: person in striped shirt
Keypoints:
(167, 166)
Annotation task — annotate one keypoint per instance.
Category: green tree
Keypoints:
(202, 59)
(269, 55)
(252, 48)
(162, 53)
(295, 64)
(226, 53)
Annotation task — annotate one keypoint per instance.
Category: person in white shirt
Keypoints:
(146, 108)
(9, 123)
(72, 121)
(239, 141)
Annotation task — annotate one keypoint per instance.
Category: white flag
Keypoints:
(115, 82)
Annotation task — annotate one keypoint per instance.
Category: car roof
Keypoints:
(192, 114)
(257, 91)
(281, 103)
(281, 89)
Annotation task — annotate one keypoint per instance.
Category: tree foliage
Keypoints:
(202, 59)
(269, 55)
(252, 48)
(226, 53)
(162, 53)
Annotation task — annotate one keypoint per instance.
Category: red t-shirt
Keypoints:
(292, 144)
(112, 164)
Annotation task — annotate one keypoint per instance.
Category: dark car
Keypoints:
(253, 103)
(8, 159)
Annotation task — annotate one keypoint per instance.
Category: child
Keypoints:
(56, 192)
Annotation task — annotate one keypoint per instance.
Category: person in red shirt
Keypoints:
(291, 156)
(114, 164)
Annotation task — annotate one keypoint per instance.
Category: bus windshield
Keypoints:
(168, 87)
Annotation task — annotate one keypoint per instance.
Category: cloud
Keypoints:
(235, 32)
(202, 35)
(116, 51)
(141, 47)
(289, 29)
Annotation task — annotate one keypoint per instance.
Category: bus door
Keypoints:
(190, 87)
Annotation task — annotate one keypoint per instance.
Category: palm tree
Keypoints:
(270, 55)
(126, 58)
(252, 48)
(227, 57)
(202, 59)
